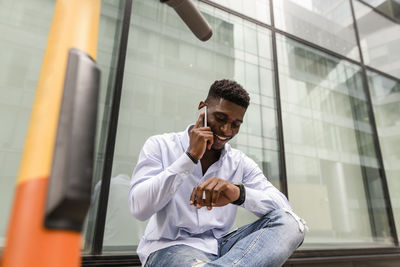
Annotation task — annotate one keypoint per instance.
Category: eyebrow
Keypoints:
(225, 115)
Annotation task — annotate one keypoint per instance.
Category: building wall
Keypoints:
(323, 121)
(24, 27)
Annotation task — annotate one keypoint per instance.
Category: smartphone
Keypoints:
(203, 109)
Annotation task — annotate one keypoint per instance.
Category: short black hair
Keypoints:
(229, 90)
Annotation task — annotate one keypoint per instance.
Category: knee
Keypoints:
(294, 226)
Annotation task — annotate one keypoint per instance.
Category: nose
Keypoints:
(226, 129)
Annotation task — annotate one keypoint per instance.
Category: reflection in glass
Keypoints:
(324, 22)
(107, 51)
(24, 27)
(167, 73)
(256, 9)
(385, 94)
(332, 170)
(390, 8)
(379, 38)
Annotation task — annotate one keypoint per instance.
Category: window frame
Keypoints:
(301, 256)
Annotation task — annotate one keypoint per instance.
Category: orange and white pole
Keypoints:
(28, 242)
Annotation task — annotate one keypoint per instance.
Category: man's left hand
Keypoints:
(218, 192)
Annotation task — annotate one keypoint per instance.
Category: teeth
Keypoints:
(222, 138)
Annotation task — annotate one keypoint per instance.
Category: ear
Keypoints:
(202, 104)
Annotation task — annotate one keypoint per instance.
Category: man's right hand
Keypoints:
(200, 138)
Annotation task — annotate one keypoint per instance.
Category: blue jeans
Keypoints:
(268, 241)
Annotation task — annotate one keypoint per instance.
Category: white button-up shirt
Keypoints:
(162, 183)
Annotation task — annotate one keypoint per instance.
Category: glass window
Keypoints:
(390, 8)
(332, 170)
(385, 94)
(24, 27)
(256, 9)
(326, 23)
(380, 40)
(167, 73)
(107, 53)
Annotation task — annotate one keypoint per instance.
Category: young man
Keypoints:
(189, 185)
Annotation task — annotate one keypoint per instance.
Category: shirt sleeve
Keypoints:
(261, 196)
(153, 185)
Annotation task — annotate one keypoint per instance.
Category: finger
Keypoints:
(207, 134)
(209, 190)
(200, 192)
(199, 122)
(215, 196)
(210, 141)
(199, 197)
(205, 130)
(207, 201)
(217, 192)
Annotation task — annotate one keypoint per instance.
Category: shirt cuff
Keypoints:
(252, 199)
(183, 165)
(260, 204)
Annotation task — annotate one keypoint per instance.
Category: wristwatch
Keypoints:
(242, 196)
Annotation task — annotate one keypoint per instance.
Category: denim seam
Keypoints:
(227, 237)
(250, 247)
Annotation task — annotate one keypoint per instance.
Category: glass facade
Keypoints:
(379, 40)
(163, 103)
(390, 8)
(256, 9)
(385, 94)
(325, 94)
(326, 23)
(329, 148)
(24, 27)
(107, 51)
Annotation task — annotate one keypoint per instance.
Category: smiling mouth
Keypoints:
(222, 138)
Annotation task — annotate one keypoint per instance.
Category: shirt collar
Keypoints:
(185, 142)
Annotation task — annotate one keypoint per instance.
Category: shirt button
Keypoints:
(186, 172)
(171, 192)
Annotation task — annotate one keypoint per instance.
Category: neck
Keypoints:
(212, 154)
(210, 157)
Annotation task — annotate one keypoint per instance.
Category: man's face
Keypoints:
(224, 118)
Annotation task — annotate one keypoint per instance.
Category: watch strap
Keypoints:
(242, 195)
(195, 161)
